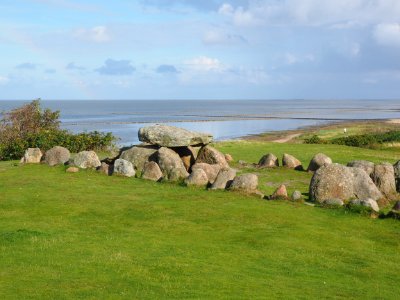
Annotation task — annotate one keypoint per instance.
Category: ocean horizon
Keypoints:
(225, 119)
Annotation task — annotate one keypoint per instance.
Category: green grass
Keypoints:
(86, 235)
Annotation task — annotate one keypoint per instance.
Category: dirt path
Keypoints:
(287, 138)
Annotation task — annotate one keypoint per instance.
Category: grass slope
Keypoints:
(86, 235)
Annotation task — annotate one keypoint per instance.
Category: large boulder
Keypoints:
(245, 183)
(32, 156)
(87, 160)
(57, 156)
(151, 171)
(124, 168)
(336, 181)
(212, 156)
(171, 164)
(210, 170)
(367, 166)
(318, 161)
(291, 162)
(170, 136)
(139, 155)
(396, 167)
(268, 161)
(198, 178)
(384, 179)
(223, 179)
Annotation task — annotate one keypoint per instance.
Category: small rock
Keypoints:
(383, 177)
(291, 162)
(139, 155)
(178, 174)
(224, 179)
(105, 168)
(210, 170)
(124, 168)
(396, 206)
(245, 182)
(242, 162)
(87, 160)
(170, 164)
(318, 161)
(396, 168)
(197, 178)
(152, 171)
(333, 202)
(371, 203)
(32, 156)
(268, 161)
(57, 156)
(296, 196)
(228, 157)
(280, 193)
(367, 166)
(212, 156)
(72, 170)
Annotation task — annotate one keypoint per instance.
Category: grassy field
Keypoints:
(86, 235)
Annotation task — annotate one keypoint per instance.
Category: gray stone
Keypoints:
(224, 179)
(57, 156)
(210, 170)
(268, 161)
(333, 202)
(151, 171)
(87, 160)
(296, 196)
(291, 162)
(139, 155)
(396, 167)
(198, 178)
(383, 177)
(170, 136)
(336, 181)
(105, 168)
(171, 164)
(32, 156)
(212, 156)
(371, 203)
(318, 161)
(124, 168)
(245, 182)
(367, 166)
(187, 156)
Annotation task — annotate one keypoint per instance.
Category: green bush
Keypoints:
(30, 127)
(368, 140)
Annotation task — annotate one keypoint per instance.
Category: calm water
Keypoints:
(224, 119)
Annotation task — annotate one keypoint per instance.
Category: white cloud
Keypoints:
(98, 34)
(205, 64)
(338, 13)
(215, 37)
(291, 59)
(387, 34)
(4, 80)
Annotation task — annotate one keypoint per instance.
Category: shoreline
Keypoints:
(283, 136)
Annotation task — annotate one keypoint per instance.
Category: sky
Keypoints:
(216, 49)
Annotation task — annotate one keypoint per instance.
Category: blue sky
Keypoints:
(170, 49)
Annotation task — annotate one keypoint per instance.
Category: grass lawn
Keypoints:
(86, 235)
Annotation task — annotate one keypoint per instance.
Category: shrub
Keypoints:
(31, 127)
(315, 139)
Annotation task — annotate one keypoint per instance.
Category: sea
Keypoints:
(225, 119)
